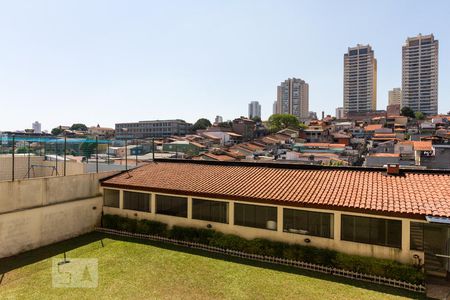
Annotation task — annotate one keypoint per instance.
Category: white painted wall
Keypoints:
(42, 211)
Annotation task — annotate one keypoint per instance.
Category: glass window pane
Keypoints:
(171, 205)
(378, 231)
(136, 201)
(394, 233)
(111, 198)
(416, 236)
(375, 231)
(347, 228)
(255, 216)
(307, 222)
(209, 210)
(362, 229)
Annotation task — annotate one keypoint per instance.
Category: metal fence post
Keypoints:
(96, 153)
(126, 156)
(65, 151)
(29, 150)
(56, 156)
(13, 158)
(107, 151)
(136, 149)
(153, 149)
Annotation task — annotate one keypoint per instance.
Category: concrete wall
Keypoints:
(404, 254)
(38, 212)
(42, 167)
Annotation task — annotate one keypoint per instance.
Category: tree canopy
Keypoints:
(419, 115)
(87, 149)
(79, 126)
(278, 122)
(201, 124)
(57, 131)
(408, 112)
(256, 119)
(227, 124)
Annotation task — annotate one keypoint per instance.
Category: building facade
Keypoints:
(293, 98)
(360, 80)
(254, 109)
(340, 113)
(395, 96)
(152, 129)
(274, 107)
(218, 119)
(420, 74)
(383, 218)
(37, 128)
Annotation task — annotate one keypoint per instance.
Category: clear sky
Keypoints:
(63, 62)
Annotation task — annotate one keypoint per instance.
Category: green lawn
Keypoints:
(137, 269)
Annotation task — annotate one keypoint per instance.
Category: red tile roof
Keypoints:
(413, 194)
(423, 146)
(324, 145)
(373, 127)
(384, 154)
(219, 157)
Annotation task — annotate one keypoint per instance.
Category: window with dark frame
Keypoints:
(376, 231)
(416, 236)
(111, 198)
(210, 210)
(171, 205)
(136, 201)
(255, 216)
(307, 222)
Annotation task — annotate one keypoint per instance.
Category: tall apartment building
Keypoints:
(395, 96)
(218, 119)
(152, 129)
(37, 127)
(293, 98)
(254, 109)
(420, 74)
(360, 80)
(340, 113)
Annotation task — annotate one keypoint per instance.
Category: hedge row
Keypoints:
(326, 257)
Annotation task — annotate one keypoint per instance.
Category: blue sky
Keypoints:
(63, 62)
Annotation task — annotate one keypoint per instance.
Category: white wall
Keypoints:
(38, 212)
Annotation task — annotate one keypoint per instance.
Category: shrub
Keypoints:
(191, 234)
(230, 241)
(151, 228)
(110, 221)
(133, 225)
(326, 257)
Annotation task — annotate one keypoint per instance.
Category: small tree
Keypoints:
(57, 131)
(256, 119)
(228, 124)
(407, 112)
(278, 122)
(22, 149)
(419, 115)
(201, 124)
(87, 149)
(79, 127)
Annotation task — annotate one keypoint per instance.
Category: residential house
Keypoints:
(385, 213)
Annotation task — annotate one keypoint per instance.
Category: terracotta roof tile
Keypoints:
(372, 191)
(423, 146)
(373, 127)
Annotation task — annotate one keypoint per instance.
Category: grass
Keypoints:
(135, 269)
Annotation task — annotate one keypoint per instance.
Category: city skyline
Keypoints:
(78, 71)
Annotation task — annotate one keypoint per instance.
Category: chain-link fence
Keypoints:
(23, 157)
